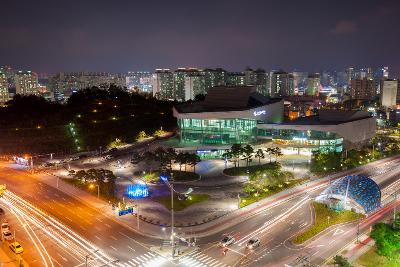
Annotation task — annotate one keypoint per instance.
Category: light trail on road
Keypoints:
(77, 246)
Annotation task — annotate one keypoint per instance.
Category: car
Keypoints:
(108, 157)
(7, 235)
(16, 247)
(2, 211)
(227, 241)
(5, 227)
(253, 243)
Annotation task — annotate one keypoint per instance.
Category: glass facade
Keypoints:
(361, 189)
(316, 140)
(218, 131)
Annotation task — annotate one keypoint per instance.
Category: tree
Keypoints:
(160, 132)
(148, 158)
(260, 155)
(235, 151)
(193, 159)
(387, 240)
(170, 155)
(116, 143)
(269, 152)
(180, 159)
(277, 152)
(141, 135)
(341, 261)
(247, 153)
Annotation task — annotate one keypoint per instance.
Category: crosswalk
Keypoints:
(148, 259)
(198, 259)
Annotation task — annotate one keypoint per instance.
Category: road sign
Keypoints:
(126, 211)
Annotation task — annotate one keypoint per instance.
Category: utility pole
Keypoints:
(394, 209)
(137, 215)
(87, 257)
(32, 164)
(172, 218)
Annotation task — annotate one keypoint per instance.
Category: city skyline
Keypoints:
(145, 36)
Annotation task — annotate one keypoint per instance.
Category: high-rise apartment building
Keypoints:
(63, 84)
(4, 95)
(282, 84)
(313, 84)
(163, 84)
(26, 83)
(350, 75)
(299, 82)
(363, 89)
(389, 93)
(179, 81)
(236, 79)
(194, 85)
(250, 77)
(262, 82)
(214, 77)
(364, 73)
(140, 80)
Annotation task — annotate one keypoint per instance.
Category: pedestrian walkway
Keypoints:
(200, 259)
(148, 259)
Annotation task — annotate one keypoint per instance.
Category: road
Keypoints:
(277, 225)
(92, 230)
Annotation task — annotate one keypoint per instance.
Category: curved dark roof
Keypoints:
(226, 98)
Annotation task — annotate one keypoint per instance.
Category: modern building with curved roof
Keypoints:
(354, 192)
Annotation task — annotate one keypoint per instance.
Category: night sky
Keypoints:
(121, 35)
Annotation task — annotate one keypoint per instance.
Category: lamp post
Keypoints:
(98, 189)
(172, 218)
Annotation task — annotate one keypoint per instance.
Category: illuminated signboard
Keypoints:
(137, 191)
(164, 178)
(125, 211)
(259, 112)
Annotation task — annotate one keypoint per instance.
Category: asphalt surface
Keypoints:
(92, 230)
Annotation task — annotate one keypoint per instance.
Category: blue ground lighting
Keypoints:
(137, 191)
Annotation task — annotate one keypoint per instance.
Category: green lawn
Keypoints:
(270, 190)
(181, 204)
(372, 259)
(179, 176)
(243, 170)
(321, 221)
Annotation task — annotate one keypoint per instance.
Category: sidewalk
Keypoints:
(10, 260)
(204, 229)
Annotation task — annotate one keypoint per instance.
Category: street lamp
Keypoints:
(91, 186)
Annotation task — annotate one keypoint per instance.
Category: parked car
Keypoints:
(7, 235)
(16, 247)
(253, 243)
(227, 241)
(108, 157)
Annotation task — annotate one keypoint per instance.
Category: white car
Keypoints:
(253, 243)
(227, 241)
(7, 235)
(5, 227)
